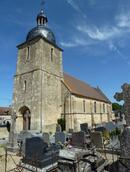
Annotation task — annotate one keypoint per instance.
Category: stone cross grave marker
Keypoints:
(125, 138)
(125, 96)
(12, 135)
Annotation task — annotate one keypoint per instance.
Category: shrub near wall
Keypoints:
(114, 133)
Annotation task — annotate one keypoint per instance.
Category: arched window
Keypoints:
(95, 107)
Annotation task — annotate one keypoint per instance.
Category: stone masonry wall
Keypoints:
(80, 110)
(37, 85)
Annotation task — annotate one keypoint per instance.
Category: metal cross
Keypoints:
(42, 3)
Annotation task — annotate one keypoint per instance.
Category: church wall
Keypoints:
(51, 92)
(28, 58)
(65, 96)
(81, 118)
(51, 106)
(81, 110)
(51, 59)
(30, 98)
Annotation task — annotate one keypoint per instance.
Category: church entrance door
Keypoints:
(26, 114)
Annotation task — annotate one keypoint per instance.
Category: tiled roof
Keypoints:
(83, 89)
(101, 92)
(5, 111)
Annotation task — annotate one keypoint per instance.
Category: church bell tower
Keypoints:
(37, 83)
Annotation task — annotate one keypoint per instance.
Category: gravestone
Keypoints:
(58, 128)
(60, 137)
(79, 139)
(97, 139)
(34, 148)
(39, 154)
(22, 139)
(84, 127)
(46, 138)
(71, 130)
(125, 138)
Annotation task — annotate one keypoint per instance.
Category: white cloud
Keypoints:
(75, 43)
(104, 32)
(123, 20)
(109, 34)
(100, 34)
(89, 31)
(68, 44)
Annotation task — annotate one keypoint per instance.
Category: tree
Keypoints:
(116, 106)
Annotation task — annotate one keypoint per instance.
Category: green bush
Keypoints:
(61, 122)
(118, 131)
(115, 132)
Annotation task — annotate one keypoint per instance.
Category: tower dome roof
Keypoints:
(41, 29)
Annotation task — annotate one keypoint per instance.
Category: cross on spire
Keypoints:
(42, 3)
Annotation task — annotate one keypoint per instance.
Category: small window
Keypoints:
(103, 108)
(91, 107)
(95, 107)
(100, 108)
(51, 54)
(84, 106)
(107, 108)
(28, 53)
(25, 86)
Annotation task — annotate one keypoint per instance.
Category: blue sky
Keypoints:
(94, 34)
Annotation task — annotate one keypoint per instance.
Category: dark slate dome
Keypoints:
(41, 29)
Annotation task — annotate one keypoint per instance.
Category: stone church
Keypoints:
(43, 93)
